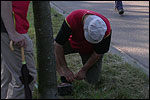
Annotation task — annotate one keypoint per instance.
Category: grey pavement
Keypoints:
(130, 36)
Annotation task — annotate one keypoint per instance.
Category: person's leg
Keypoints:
(5, 79)
(93, 74)
(11, 64)
(29, 57)
(14, 64)
(119, 4)
(119, 7)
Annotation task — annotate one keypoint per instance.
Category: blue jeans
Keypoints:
(118, 5)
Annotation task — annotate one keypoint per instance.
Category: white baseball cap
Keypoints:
(94, 29)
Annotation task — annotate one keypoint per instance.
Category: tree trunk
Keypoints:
(46, 62)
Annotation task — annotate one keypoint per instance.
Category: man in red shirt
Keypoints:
(88, 33)
(15, 30)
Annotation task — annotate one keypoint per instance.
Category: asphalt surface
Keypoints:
(130, 36)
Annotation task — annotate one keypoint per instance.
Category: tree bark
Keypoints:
(46, 62)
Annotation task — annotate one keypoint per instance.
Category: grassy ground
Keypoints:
(119, 80)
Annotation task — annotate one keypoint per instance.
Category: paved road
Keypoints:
(130, 31)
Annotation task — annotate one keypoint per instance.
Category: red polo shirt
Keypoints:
(20, 9)
(75, 22)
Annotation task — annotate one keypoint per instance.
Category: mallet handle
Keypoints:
(22, 55)
(22, 51)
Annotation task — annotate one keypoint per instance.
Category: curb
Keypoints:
(61, 11)
(126, 58)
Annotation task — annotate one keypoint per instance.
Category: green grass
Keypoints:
(119, 80)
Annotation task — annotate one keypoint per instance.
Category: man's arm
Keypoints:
(6, 14)
(99, 50)
(60, 58)
(91, 61)
(61, 64)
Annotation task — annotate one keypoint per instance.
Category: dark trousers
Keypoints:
(118, 5)
(93, 74)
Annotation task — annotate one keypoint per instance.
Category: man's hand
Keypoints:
(80, 75)
(18, 39)
(68, 74)
(91, 61)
